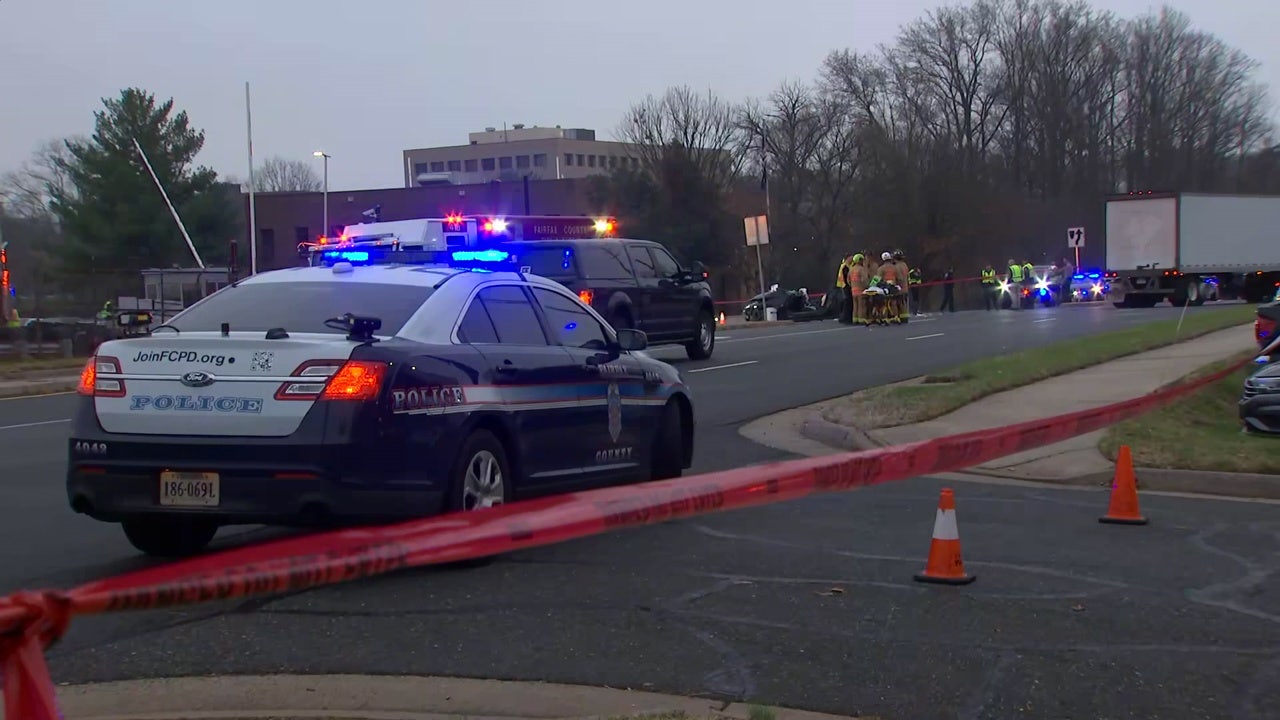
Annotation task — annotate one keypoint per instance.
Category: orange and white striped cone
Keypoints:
(945, 565)
(722, 319)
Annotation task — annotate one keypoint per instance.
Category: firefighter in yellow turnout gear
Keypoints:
(858, 279)
(885, 304)
(905, 282)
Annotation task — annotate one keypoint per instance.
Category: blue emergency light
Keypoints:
(351, 256)
(484, 260)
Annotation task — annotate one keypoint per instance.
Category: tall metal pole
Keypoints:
(325, 227)
(325, 157)
(172, 210)
(253, 209)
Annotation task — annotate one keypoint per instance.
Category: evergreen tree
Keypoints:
(114, 217)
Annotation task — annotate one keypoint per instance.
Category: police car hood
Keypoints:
(207, 384)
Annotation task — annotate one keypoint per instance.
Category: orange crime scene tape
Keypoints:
(31, 621)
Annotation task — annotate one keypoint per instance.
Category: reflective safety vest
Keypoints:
(989, 276)
(914, 277)
(844, 265)
(1015, 273)
(1028, 269)
(857, 279)
(889, 273)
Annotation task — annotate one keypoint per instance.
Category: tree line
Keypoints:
(980, 133)
(83, 215)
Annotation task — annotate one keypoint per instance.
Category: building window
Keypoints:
(437, 167)
(302, 234)
(455, 166)
(613, 162)
(581, 160)
(603, 161)
(591, 161)
(635, 163)
(504, 163)
(472, 165)
(487, 164)
(522, 161)
(267, 244)
(421, 168)
(568, 159)
(540, 160)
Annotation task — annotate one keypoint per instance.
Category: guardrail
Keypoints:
(31, 621)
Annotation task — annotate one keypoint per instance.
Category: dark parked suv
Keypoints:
(634, 284)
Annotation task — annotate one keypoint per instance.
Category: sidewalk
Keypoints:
(1076, 461)
(44, 384)
(363, 697)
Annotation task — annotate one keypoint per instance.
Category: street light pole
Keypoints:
(326, 156)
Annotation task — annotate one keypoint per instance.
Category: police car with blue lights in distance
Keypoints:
(377, 384)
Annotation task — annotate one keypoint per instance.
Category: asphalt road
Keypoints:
(1069, 618)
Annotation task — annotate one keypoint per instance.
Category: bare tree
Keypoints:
(27, 191)
(278, 174)
(701, 129)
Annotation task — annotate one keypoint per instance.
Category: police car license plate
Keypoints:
(189, 489)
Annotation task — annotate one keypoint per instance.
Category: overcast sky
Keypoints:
(365, 80)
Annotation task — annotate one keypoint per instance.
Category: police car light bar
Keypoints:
(464, 259)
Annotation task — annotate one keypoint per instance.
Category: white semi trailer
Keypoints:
(1192, 247)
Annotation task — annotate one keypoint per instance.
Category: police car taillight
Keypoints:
(334, 380)
(92, 384)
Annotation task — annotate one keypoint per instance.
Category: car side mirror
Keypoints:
(698, 271)
(631, 340)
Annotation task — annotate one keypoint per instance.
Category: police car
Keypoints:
(377, 384)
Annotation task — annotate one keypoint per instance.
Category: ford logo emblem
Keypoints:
(197, 379)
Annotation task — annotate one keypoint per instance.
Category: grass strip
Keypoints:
(945, 392)
(1199, 432)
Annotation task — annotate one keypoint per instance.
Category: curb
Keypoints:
(377, 697)
(37, 390)
(744, 325)
(1195, 482)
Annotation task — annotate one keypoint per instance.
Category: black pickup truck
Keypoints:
(634, 284)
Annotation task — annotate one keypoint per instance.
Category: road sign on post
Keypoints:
(757, 235)
(1075, 240)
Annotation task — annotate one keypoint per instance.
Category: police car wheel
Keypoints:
(169, 537)
(667, 458)
(704, 339)
(481, 478)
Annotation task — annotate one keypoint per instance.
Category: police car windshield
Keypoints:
(302, 306)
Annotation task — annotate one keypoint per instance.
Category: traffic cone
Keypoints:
(721, 317)
(1124, 493)
(945, 566)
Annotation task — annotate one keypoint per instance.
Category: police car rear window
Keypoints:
(549, 261)
(303, 306)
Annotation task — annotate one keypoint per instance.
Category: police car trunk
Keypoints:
(255, 382)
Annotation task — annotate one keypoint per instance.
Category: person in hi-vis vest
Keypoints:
(990, 288)
(844, 298)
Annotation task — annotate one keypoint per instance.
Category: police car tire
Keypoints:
(667, 459)
(169, 537)
(477, 441)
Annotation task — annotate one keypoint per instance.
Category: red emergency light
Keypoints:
(549, 227)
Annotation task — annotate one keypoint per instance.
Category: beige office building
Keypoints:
(509, 154)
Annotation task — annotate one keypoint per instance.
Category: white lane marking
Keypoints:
(788, 334)
(925, 337)
(707, 369)
(1044, 320)
(33, 424)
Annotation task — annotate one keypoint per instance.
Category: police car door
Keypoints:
(532, 378)
(613, 423)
